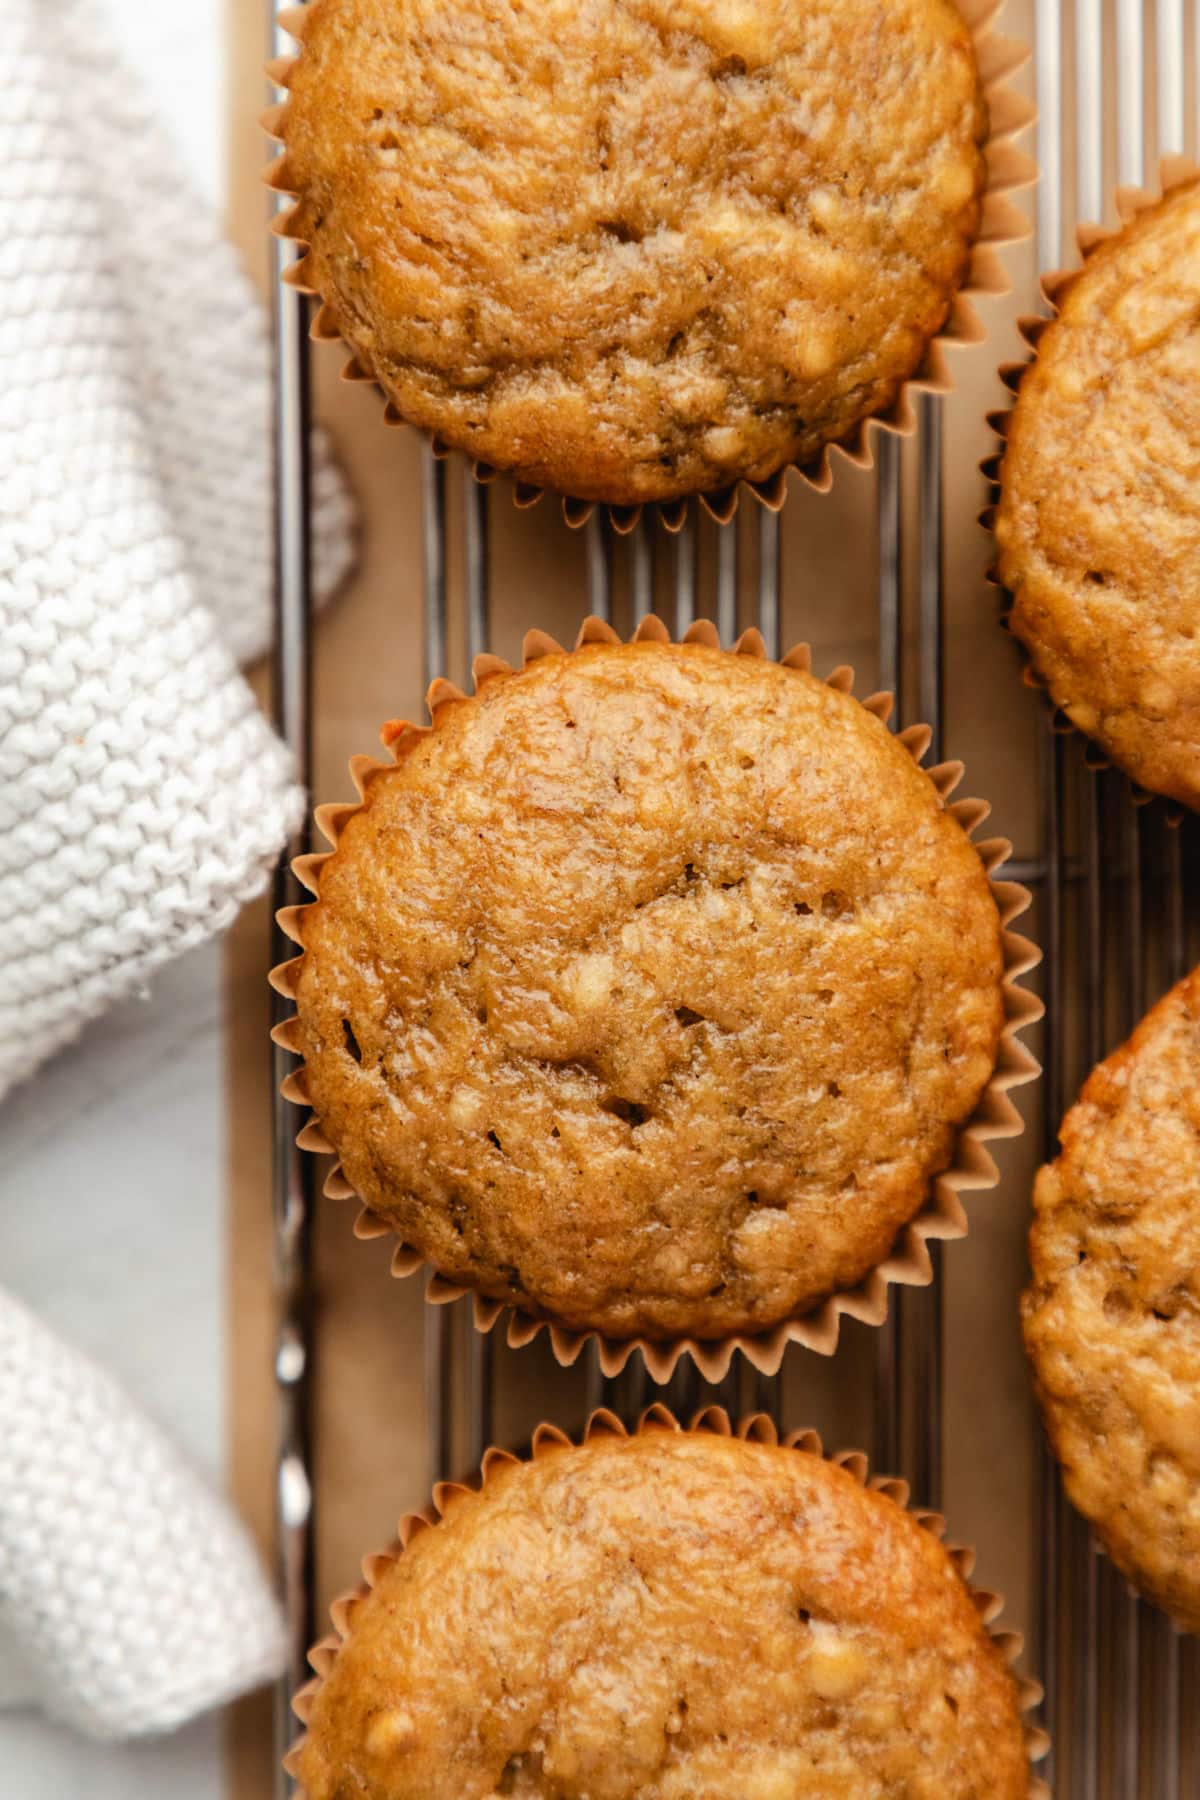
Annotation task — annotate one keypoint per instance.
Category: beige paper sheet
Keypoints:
(370, 1458)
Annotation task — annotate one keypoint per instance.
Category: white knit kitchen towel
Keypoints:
(142, 797)
(142, 800)
(130, 1598)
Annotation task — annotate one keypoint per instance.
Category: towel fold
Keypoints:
(143, 799)
(130, 1597)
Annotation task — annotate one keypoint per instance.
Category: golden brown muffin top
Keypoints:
(1112, 1320)
(1099, 518)
(649, 989)
(669, 1617)
(634, 249)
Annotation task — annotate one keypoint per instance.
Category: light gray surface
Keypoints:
(111, 1226)
(111, 1199)
(39, 1764)
(111, 1185)
(179, 51)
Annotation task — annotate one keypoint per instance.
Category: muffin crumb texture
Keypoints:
(1098, 524)
(649, 990)
(668, 1617)
(1112, 1319)
(636, 251)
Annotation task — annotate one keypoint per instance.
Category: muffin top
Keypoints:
(1099, 517)
(635, 249)
(1112, 1319)
(648, 990)
(661, 1618)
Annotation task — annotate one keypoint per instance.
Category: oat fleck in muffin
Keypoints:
(636, 249)
(1099, 518)
(662, 1618)
(1112, 1319)
(649, 990)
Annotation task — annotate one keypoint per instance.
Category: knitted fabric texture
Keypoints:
(142, 796)
(130, 1599)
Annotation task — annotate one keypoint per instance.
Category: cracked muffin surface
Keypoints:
(1098, 524)
(649, 989)
(1112, 1318)
(633, 251)
(668, 1617)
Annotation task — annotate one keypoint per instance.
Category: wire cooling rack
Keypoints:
(1118, 916)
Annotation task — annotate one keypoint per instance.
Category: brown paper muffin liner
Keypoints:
(942, 1214)
(1174, 172)
(1001, 224)
(756, 1428)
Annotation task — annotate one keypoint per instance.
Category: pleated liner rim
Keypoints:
(1174, 172)
(941, 1216)
(1001, 225)
(713, 1420)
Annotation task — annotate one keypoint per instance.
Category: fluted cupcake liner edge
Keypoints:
(1002, 225)
(1174, 172)
(714, 1420)
(941, 1215)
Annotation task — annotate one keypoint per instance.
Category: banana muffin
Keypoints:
(666, 1617)
(649, 989)
(1098, 524)
(636, 249)
(1112, 1318)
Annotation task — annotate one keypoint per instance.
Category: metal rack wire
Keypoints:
(1123, 1695)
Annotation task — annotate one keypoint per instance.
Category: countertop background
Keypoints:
(112, 1195)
